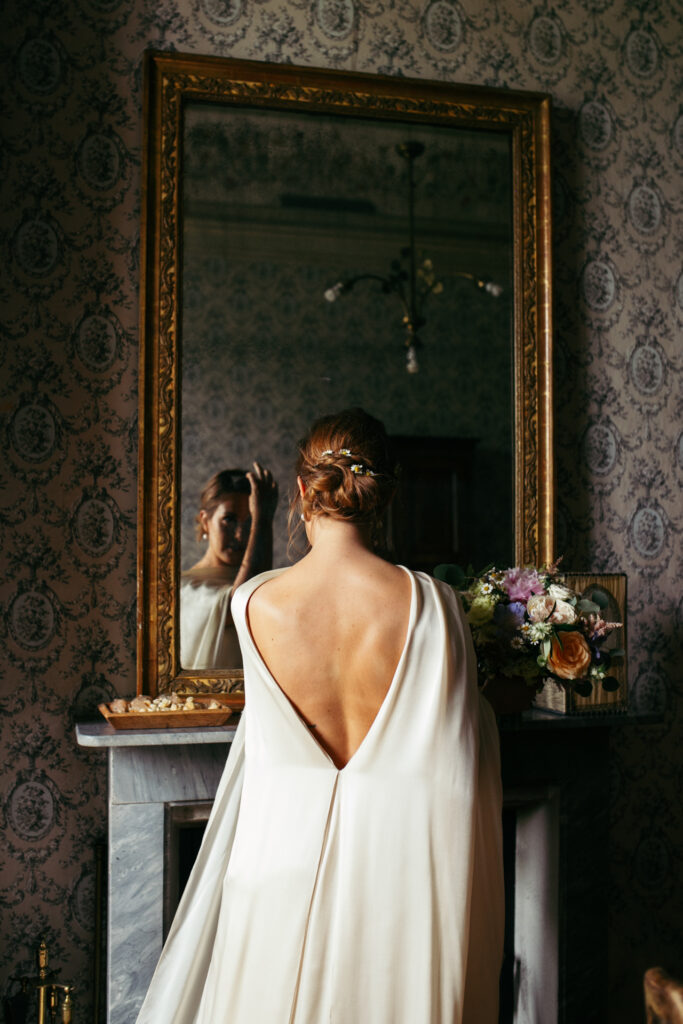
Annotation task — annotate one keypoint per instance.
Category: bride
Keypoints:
(351, 870)
(235, 519)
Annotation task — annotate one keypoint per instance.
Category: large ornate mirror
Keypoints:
(266, 187)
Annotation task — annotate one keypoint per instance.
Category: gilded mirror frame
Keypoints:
(172, 80)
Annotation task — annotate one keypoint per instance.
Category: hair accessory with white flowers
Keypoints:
(359, 468)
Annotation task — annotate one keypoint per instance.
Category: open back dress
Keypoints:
(370, 894)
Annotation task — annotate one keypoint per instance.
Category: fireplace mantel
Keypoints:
(555, 776)
(149, 769)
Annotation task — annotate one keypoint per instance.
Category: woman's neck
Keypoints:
(332, 539)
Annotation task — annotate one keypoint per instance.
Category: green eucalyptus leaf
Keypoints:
(588, 607)
(610, 684)
(598, 597)
(583, 687)
(617, 652)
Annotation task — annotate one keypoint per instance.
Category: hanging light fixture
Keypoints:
(412, 284)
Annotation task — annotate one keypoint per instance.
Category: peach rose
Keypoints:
(564, 614)
(539, 607)
(572, 658)
(544, 608)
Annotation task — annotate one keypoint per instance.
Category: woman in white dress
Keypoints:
(235, 519)
(351, 871)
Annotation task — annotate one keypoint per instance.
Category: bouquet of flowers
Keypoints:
(526, 624)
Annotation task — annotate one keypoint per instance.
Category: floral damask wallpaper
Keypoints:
(70, 180)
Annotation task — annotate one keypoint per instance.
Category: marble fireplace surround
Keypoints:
(555, 773)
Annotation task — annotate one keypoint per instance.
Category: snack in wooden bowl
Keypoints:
(172, 711)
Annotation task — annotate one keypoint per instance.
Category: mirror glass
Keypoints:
(277, 208)
(266, 186)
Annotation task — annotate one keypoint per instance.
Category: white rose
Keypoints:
(560, 592)
(539, 607)
(564, 614)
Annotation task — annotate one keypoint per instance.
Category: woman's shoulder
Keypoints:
(246, 589)
(352, 584)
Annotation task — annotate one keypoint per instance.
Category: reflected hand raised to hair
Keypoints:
(264, 493)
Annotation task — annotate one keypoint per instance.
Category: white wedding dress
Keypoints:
(367, 895)
(208, 639)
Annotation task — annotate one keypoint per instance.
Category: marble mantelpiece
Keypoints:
(148, 770)
(555, 772)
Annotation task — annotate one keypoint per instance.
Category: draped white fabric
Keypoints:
(371, 894)
(208, 638)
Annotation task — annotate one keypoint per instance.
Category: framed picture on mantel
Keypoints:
(611, 591)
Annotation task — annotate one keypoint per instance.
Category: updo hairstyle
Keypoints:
(228, 481)
(335, 445)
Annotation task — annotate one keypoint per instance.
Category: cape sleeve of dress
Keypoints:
(176, 988)
(487, 896)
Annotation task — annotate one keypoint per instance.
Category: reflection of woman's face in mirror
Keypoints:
(236, 526)
(227, 528)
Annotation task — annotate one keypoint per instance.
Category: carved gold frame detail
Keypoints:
(172, 80)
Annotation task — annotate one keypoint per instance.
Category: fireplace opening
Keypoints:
(184, 825)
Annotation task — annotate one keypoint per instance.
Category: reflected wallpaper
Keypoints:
(256, 372)
(69, 274)
(280, 207)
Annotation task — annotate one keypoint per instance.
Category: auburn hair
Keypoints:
(348, 470)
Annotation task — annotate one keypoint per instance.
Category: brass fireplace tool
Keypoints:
(53, 997)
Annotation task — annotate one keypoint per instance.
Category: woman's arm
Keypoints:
(258, 554)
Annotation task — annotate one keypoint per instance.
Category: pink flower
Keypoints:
(520, 584)
(597, 628)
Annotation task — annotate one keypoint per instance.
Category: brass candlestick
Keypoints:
(49, 991)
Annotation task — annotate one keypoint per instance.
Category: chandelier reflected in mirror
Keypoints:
(410, 281)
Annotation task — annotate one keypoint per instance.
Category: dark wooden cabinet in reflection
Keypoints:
(437, 516)
(433, 514)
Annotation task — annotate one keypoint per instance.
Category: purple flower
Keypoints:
(509, 617)
(520, 584)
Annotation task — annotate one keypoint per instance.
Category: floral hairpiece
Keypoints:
(359, 468)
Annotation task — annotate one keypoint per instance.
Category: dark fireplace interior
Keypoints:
(184, 827)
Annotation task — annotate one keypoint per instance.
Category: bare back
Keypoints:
(331, 637)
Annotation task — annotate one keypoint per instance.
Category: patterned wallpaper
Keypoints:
(69, 174)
